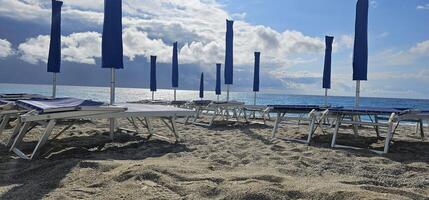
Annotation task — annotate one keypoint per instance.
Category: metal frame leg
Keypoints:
(15, 132)
(21, 134)
(337, 126)
(44, 137)
(389, 135)
(149, 127)
(276, 125)
(4, 122)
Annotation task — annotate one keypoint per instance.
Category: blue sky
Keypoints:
(289, 33)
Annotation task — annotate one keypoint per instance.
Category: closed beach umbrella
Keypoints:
(54, 59)
(202, 86)
(229, 56)
(218, 85)
(153, 75)
(111, 49)
(327, 66)
(256, 75)
(175, 70)
(360, 51)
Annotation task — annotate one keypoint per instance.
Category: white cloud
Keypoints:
(150, 27)
(423, 7)
(5, 48)
(393, 57)
(77, 47)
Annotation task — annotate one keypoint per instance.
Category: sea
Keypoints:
(135, 94)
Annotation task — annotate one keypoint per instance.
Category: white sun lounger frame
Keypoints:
(304, 115)
(133, 114)
(391, 124)
(219, 110)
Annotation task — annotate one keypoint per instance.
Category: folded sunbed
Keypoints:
(51, 111)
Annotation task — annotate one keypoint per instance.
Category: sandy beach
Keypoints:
(222, 162)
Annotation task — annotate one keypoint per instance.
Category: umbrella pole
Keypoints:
(254, 99)
(153, 95)
(217, 97)
(357, 98)
(227, 92)
(112, 101)
(54, 84)
(326, 96)
(174, 94)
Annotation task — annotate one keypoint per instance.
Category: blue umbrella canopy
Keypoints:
(54, 59)
(202, 86)
(153, 73)
(229, 57)
(112, 56)
(175, 67)
(256, 73)
(327, 66)
(360, 51)
(218, 85)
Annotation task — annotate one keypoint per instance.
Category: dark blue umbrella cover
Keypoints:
(229, 57)
(202, 86)
(327, 66)
(256, 73)
(360, 52)
(111, 52)
(54, 59)
(218, 85)
(175, 67)
(153, 73)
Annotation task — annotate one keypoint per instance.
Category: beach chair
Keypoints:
(294, 112)
(9, 111)
(348, 115)
(225, 110)
(262, 110)
(49, 112)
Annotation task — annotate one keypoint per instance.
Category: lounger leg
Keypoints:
(44, 137)
(422, 131)
(276, 126)
(20, 135)
(4, 122)
(15, 132)
(377, 129)
(389, 135)
(337, 126)
(174, 127)
(149, 127)
(311, 129)
(245, 115)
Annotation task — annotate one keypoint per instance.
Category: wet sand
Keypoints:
(223, 162)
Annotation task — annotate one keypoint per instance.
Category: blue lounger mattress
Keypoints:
(201, 102)
(366, 110)
(57, 104)
(303, 108)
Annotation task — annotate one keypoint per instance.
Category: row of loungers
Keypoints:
(48, 112)
(218, 110)
(318, 116)
(31, 111)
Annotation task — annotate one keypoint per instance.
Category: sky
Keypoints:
(288, 33)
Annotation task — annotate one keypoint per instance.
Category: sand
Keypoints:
(223, 162)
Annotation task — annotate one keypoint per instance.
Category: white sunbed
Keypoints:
(218, 109)
(49, 114)
(348, 115)
(262, 110)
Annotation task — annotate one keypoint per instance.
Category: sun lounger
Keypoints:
(218, 109)
(349, 115)
(262, 110)
(49, 112)
(298, 112)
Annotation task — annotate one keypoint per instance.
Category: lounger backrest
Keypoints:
(57, 104)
